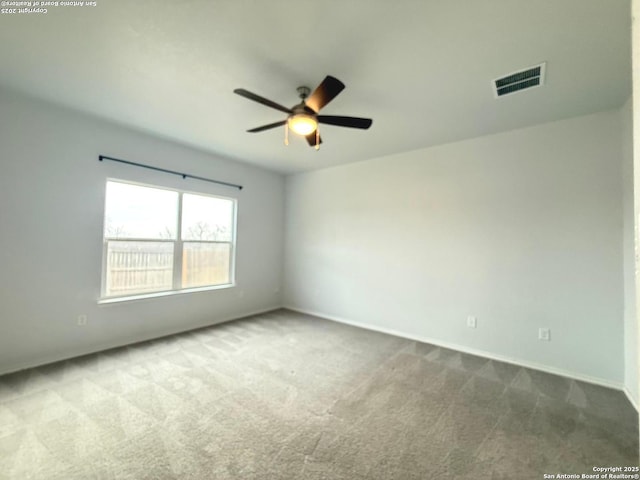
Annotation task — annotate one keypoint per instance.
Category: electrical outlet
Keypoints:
(544, 334)
(82, 320)
(471, 321)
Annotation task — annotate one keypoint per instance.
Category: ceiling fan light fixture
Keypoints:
(302, 123)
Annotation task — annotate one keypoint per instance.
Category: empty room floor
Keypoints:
(284, 395)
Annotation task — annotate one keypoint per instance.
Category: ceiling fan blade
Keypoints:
(352, 122)
(264, 101)
(324, 93)
(267, 127)
(311, 139)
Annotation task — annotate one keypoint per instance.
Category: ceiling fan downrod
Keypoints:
(303, 92)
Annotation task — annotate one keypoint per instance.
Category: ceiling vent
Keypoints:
(518, 81)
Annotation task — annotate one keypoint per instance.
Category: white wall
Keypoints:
(628, 245)
(633, 344)
(522, 229)
(51, 214)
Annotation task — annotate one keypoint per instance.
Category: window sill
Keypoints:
(146, 296)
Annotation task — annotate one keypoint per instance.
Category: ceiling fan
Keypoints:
(303, 118)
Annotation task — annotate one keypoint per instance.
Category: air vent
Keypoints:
(519, 81)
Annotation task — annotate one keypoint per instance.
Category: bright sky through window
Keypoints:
(134, 211)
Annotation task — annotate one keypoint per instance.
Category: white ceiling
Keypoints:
(422, 69)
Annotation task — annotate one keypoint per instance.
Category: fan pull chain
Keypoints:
(286, 133)
(317, 138)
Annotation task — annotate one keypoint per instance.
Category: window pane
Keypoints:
(133, 211)
(138, 267)
(206, 218)
(205, 264)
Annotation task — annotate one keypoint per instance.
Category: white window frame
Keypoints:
(178, 244)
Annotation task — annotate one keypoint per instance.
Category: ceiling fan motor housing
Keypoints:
(302, 108)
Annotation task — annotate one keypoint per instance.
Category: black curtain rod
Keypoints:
(158, 169)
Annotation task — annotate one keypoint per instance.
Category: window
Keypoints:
(159, 240)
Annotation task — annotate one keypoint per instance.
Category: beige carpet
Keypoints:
(288, 396)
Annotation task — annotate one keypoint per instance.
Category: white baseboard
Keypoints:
(44, 360)
(481, 353)
(461, 348)
(634, 401)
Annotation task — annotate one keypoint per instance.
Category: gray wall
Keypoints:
(522, 229)
(51, 210)
(630, 319)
